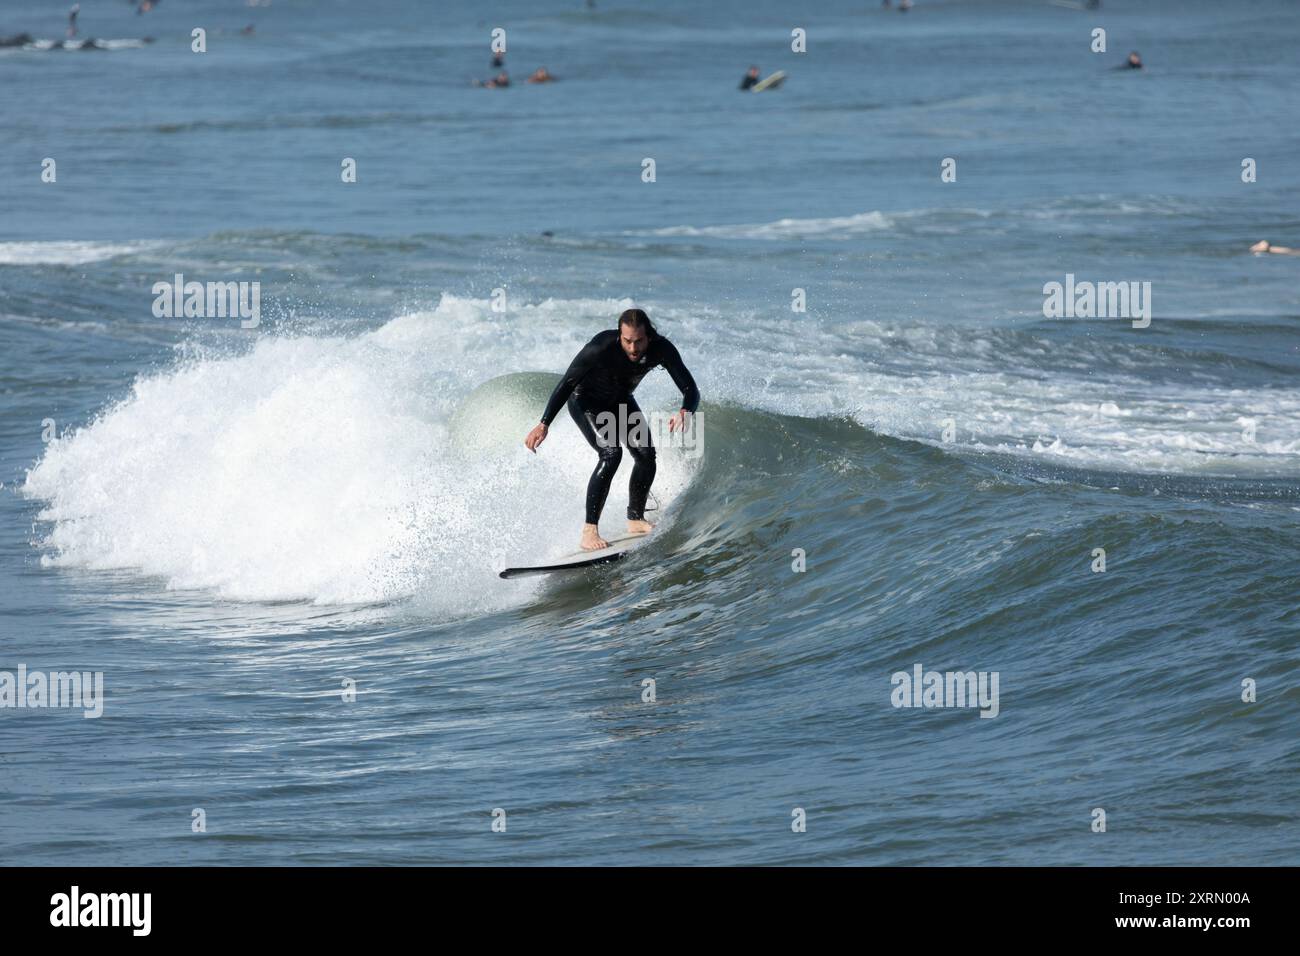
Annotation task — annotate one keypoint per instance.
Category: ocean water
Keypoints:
(243, 528)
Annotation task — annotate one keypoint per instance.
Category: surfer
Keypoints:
(751, 78)
(599, 383)
(72, 20)
(1264, 246)
(540, 75)
(1134, 62)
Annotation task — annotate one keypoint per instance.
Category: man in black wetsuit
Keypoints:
(598, 385)
(750, 79)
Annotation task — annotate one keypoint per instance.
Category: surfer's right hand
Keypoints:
(535, 438)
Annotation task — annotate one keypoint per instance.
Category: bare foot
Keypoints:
(639, 527)
(591, 539)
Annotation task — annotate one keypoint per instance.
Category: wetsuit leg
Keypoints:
(642, 450)
(606, 445)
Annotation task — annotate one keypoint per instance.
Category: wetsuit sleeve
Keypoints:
(582, 363)
(672, 361)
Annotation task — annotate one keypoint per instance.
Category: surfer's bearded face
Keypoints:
(634, 341)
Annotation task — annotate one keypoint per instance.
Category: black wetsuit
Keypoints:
(748, 81)
(598, 381)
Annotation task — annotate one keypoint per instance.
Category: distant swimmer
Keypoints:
(751, 78)
(1264, 246)
(597, 389)
(498, 60)
(72, 20)
(145, 6)
(499, 81)
(1134, 62)
(540, 75)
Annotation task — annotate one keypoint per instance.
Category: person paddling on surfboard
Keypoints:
(1264, 245)
(600, 382)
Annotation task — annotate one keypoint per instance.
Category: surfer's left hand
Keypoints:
(678, 421)
(535, 438)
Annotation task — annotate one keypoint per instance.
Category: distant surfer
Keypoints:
(499, 81)
(751, 78)
(540, 75)
(598, 389)
(1264, 246)
(1134, 62)
(498, 60)
(72, 20)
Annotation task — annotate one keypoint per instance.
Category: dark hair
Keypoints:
(638, 320)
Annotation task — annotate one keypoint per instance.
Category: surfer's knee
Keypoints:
(642, 454)
(610, 456)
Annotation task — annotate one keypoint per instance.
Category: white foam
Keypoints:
(835, 227)
(1079, 404)
(945, 219)
(64, 253)
(319, 468)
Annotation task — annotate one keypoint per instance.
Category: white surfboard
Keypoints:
(771, 83)
(618, 547)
